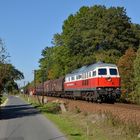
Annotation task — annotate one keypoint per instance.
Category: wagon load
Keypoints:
(47, 86)
(57, 85)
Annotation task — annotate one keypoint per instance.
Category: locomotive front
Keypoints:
(108, 82)
(97, 82)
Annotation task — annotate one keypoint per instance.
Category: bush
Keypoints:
(51, 108)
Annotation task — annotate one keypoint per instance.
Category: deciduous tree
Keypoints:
(136, 94)
(126, 70)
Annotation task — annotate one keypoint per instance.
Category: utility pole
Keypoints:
(24, 87)
(35, 81)
(43, 88)
(35, 86)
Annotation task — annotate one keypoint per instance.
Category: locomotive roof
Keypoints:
(90, 67)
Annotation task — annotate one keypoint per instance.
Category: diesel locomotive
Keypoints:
(99, 82)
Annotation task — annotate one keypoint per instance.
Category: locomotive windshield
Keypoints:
(102, 71)
(113, 71)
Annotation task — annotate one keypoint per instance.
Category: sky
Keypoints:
(28, 26)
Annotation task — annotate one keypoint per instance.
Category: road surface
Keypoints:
(20, 121)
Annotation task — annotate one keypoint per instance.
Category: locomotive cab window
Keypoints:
(113, 71)
(102, 71)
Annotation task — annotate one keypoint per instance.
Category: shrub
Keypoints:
(52, 108)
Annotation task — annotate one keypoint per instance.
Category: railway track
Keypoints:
(124, 112)
(119, 105)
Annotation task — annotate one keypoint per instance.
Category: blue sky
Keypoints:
(27, 26)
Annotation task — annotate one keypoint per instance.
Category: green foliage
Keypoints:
(55, 62)
(57, 40)
(112, 55)
(126, 69)
(98, 27)
(136, 94)
(11, 76)
(53, 108)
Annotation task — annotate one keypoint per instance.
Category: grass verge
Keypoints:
(79, 125)
(3, 99)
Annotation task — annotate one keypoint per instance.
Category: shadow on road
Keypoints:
(17, 111)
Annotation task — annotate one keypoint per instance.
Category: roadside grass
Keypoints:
(3, 99)
(77, 125)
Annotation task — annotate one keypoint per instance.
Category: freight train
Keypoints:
(99, 82)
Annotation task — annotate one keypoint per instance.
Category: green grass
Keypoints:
(77, 125)
(67, 126)
(3, 99)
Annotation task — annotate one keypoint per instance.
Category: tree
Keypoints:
(93, 27)
(126, 70)
(3, 67)
(54, 62)
(110, 56)
(136, 94)
(8, 73)
(57, 40)
(12, 75)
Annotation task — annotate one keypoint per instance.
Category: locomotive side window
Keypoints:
(113, 71)
(102, 71)
(89, 74)
(78, 77)
(72, 78)
(86, 75)
(94, 73)
(83, 75)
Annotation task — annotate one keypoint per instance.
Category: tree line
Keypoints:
(92, 34)
(8, 73)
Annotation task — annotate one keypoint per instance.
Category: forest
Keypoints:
(93, 34)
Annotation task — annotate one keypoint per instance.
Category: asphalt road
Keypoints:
(20, 121)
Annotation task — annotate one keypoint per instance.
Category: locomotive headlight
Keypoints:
(108, 79)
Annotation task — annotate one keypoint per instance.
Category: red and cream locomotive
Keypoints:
(96, 82)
